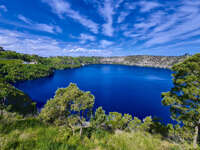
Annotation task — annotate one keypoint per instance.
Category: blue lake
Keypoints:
(125, 89)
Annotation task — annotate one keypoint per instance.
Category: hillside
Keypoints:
(74, 124)
(16, 67)
(32, 134)
(144, 60)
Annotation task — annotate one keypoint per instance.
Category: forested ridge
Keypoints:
(68, 121)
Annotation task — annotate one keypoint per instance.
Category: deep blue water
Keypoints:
(125, 89)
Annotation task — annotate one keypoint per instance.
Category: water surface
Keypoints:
(125, 89)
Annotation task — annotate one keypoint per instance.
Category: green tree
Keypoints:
(135, 124)
(99, 118)
(3, 95)
(147, 122)
(184, 98)
(66, 102)
(114, 120)
(126, 119)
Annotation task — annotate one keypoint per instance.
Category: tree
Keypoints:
(135, 124)
(184, 98)
(73, 122)
(1, 49)
(68, 102)
(147, 122)
(126, 119)
(99, 118)
(3, 94)
(115, 121)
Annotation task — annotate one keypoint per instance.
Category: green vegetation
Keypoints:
(35, 135)
(72, 106)
(67, 121)
(18, 67)
(184, 97)
(15, 100)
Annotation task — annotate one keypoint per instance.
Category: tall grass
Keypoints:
(31, 134)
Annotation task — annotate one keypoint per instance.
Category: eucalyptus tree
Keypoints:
(135, 124)
(184, 98)
(114, 120)
(99, 118)
(70, 106)
(126, 119)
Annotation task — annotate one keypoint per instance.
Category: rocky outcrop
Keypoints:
(144, 60)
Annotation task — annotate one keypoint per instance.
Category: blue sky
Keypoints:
(100, 27)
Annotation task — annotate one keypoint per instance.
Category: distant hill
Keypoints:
(144, 60)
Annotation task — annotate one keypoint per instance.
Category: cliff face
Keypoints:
(144, 60)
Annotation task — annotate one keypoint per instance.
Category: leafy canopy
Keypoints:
(184, 97)
(70, 101)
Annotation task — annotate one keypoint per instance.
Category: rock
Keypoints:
(144, 60)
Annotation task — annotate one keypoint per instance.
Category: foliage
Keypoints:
(14, 100)
(99, 118)
(31, 133)
(126, 119)
(70, 111)
(19, 72)
(73, 107)
(184, 97)
(114, 120)
(135, 124)
(16, 67)
(147, 122)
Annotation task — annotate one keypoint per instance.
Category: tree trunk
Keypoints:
(195, 138)
(73, 131)
(81, 129)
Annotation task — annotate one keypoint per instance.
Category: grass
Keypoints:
(10, 61)
(31, 134)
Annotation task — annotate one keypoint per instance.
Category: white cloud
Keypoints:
(145, 26)
(38, 26)
(122, 16)
(178, 26)
(162, 29)
(131, 34)
(47, 28)
(151, 25)
(148, 6)
(105, 43)
(84, 50)
(30, 44)
(85, 37)
(62, 8)
(24, 19)
(4, 8)
(118, 3)
(45, 46)
(88, 52)
(130, 6)
(108, 11)
(157, 40)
